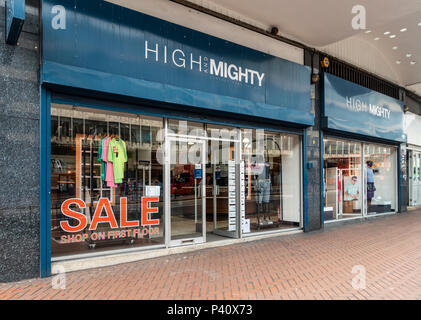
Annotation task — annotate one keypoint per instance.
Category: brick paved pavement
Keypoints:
(305, 266)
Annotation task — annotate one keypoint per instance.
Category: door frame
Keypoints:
(237, 233)
(171, 138)
(188, 240)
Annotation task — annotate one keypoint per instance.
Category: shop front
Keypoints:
(157, 136)
(362, 137)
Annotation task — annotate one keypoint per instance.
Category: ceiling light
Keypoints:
(403, 29)
(368, 31)
(419, 24)
(395, 48)
(377, 38)
(392, 36)
(408, 55)
(413, 62)
(398, 62)
(386, 33)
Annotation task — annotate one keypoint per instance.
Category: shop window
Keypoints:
(189, 128)
(342, 179)
(359, 179)
(381, 178)
(272, 167)
(106, 181)
(194, 198)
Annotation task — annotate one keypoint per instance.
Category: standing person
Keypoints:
(370, 182)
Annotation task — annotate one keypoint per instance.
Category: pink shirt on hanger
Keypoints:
(109, 175)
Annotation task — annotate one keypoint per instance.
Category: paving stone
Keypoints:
(305, 266)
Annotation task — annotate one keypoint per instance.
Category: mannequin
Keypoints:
(263, 185)
(370, 182)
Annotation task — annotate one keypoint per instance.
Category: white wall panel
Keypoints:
(291, 189)
(413, 128)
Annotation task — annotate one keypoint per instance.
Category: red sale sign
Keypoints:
(104, 205)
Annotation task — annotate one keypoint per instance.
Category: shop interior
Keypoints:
(358, 183)
(342, 171)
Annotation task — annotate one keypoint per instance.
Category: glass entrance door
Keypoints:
(187, 206)
(221, 188)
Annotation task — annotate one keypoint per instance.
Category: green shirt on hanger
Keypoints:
(117, 154)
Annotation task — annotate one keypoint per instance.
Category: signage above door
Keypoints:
(99, 46)
(348, 107)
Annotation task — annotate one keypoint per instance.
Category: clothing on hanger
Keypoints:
(109, 175)
(112, 154)
(117, 155)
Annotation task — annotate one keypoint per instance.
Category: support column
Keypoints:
(314, 141)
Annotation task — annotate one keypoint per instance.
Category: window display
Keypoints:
(380, 178)
(102, 166)
(359, 179)
(272, 165)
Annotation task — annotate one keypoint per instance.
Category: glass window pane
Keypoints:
(100, 173)
(381, 178)
(186, 190)
(183, 127)
(342, 179)
(272, 179)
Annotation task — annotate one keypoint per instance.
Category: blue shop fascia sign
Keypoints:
(351, 108)
(100, 46)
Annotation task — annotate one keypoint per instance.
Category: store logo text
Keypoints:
(357, 105)
(180, 59)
